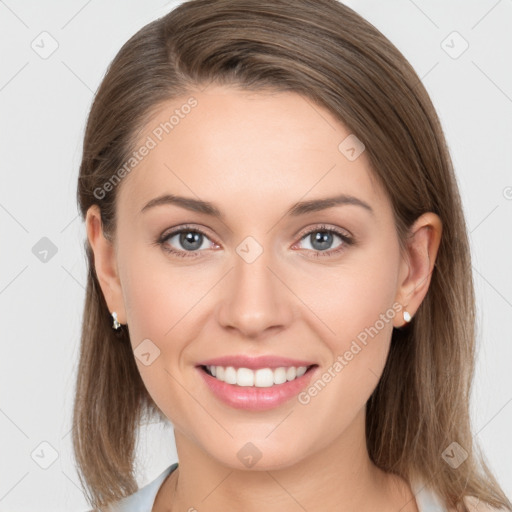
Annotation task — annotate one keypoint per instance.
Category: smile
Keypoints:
(256, 389)
(260, 378)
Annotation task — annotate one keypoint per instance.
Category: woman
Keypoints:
(279, 266)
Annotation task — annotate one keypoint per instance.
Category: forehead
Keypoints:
(255, 149)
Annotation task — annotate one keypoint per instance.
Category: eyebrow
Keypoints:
(300, 208)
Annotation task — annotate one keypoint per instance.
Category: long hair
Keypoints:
(329, 54)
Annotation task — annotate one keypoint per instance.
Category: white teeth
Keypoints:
(279, 375)
(244, 377)
(291, 373)
(261, 378)
(301, 370)
(230, 375)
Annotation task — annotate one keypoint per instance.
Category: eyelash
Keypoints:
(347, 241)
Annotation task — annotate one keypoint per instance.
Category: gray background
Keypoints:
(44, 102)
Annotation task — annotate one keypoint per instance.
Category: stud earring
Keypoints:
(115, 324)
(407, 316)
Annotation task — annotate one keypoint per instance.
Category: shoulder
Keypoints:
(475, 505)
(429, 501)
(143, 499)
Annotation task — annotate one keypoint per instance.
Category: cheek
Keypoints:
(148, 307)
(162, 304)
(354, 317)
(351, 296)
(156, 311)
(155, 292)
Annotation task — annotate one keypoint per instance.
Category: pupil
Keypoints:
(187, 240)
(323, 238)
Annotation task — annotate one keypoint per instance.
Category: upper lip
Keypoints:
(267, 361)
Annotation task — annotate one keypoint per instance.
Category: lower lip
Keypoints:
(254, 398)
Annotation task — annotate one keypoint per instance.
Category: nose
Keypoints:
(256, 299)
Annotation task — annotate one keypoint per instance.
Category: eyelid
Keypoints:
(186, 227)
(324, 227)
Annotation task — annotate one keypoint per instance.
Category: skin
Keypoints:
(254, 155)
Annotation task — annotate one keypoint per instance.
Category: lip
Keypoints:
(255, 398)
(254, 363)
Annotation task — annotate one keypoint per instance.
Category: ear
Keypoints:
(417, 265)
(105, 263)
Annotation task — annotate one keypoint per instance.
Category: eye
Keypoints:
(189, 240)
(321, 238)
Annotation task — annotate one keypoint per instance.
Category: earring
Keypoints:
(407, 316)
(115, 324)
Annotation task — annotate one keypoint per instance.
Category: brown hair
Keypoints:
(326, 52)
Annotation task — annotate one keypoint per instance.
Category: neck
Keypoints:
(339, 477)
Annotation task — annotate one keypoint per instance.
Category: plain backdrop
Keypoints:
(54, 55)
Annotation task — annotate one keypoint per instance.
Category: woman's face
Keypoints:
(264, 279)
